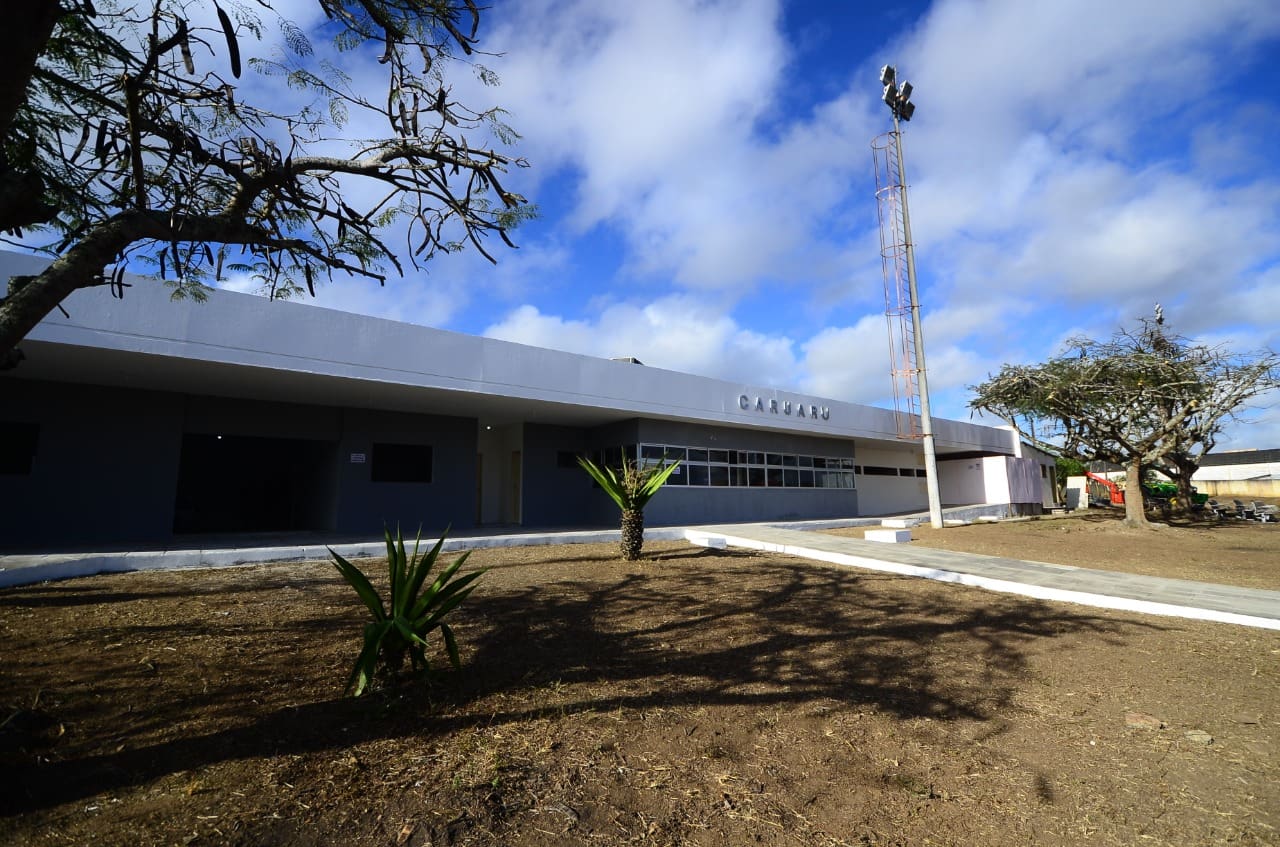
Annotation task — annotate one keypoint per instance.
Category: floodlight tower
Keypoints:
(898, 255)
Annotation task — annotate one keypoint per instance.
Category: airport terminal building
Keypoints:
(144, 419)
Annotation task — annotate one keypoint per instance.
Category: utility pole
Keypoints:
(898, 99)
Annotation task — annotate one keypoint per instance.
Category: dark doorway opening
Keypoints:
(236, 483)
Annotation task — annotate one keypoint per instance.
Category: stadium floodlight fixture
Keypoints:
(897, 97)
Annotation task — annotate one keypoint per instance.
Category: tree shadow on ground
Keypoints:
(707, 629)
(1176, 519)
(67, 593)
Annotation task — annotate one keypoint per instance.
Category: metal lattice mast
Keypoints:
(897, 291)
(898, 254)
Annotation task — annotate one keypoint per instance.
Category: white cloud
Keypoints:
(629, 90)
(850, 363)
(677, 332)
(684, 333)
(1071, 163)
(1175, 236)
(428, 301)
(1070, 173)
(660, 110)
(1089, 72)
(1250, 307)
(1032, 142)
(853, 363)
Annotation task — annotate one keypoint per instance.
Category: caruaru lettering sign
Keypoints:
(784, 407)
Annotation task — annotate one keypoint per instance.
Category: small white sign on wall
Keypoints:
(357, 458)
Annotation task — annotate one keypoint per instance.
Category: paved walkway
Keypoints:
(1103, 589)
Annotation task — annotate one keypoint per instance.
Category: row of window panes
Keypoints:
(878, 470)
(748, 469)
(722, 475)
(658, 452)
(650, 455)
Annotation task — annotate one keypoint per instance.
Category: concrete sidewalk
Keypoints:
(216, 551)
(1102, 589)
(28, 568)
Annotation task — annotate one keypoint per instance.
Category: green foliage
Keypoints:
(134, 143)
(414, 609)
(1144, 398)
(632, 486)
(514, 216)
(1067, 467)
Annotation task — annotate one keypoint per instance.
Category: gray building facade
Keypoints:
(146, 420)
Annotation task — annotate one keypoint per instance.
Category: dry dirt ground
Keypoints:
(1231, 552)
(697, 697)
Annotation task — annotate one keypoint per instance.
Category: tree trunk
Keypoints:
(632, 533)
(1186, 497)
(80, 267)
(1135, 513)
(28, 26)
(1182, 472)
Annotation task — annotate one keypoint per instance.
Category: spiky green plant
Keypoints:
(415, 609)
(631, 487)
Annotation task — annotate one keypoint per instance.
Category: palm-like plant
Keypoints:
(402, 626)
(631, 488)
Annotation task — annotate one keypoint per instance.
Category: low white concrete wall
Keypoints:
(1242, 488)
(962, 481)
(1077, 492)
(1257, 470)
(995, 480)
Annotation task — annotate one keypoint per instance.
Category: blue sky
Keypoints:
(704, 175)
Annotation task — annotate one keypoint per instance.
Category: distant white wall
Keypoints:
(995, 479)
(961, 481)
(1260, 470)
(886, 495)
(1266, 488)
(1077, 492)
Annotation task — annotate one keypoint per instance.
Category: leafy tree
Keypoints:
(1068, 467)
(125, 141)
(1064, 468)
(1142, 399)
(631, 487)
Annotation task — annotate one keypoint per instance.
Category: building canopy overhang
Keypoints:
(244, 346)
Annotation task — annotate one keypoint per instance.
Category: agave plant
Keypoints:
(414, 610)
(631, 488)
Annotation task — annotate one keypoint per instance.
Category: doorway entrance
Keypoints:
(236, 483)
(499, 471)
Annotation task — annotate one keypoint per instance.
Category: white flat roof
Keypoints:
(241, 345)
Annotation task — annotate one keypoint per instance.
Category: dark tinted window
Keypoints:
(401, 463)
(17, 447)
